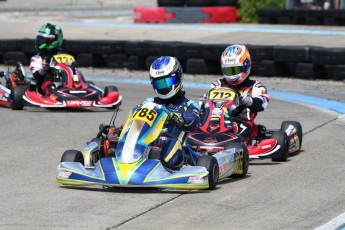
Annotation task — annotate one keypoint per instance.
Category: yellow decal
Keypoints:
(125, 171)
(145, 114)
(239, 163)
(222, 94)
(126, 126)
(64, 59)
(75, 78)
(156, 131)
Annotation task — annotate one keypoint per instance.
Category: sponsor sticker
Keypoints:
(210, 140)
(79, 103)
(224, 167)
(195, 180)
(64, 174)
(216, 111)
(266, 146)
(77, 91)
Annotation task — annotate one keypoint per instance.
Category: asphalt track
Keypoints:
(305, 192)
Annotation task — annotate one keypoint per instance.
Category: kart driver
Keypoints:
(48, 43)
(236, 65)
(166, 77)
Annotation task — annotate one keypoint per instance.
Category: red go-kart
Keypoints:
(217, 129)
(72, 90)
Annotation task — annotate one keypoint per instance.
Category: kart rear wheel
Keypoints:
(17, 97)
(72, 156)
(245, 159)
(285, 125)
(282, 140)
(211, 164)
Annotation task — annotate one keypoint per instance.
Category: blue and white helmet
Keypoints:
(166, 77)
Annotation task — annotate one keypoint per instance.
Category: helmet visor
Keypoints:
(232, 70)
(165, 82)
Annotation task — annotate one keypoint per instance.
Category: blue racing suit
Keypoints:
(173, 141)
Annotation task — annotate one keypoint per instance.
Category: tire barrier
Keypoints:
(217, 14)
(267, 60)
(301, 16)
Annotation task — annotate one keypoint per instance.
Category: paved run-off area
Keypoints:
(303, 193)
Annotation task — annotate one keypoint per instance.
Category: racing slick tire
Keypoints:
(282, 140)
(72, 156)
(211, 164)
(17, 93)
(245, 159)
(298, 126)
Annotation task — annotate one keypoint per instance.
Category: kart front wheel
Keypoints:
(72, 156)
(211, 164)
(17, 97)
(282, 140)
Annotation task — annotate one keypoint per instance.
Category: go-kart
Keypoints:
(135, 159)
(15, 86)
(71, 89)
(218, 130)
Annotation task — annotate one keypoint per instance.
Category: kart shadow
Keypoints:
(152, 190)
(268, 162)
(68, 110)
(130, 190)
(233, 180)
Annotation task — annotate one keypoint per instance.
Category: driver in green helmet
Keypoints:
(48, 43)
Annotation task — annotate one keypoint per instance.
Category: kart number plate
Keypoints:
(222, 94)
(145, 114)
(64, 59)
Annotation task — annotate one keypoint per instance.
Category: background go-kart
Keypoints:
(303, 193)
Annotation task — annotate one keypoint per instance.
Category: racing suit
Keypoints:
(173, 141)
(42, 73)
(244, 116)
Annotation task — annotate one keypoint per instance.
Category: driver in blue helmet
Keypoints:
(166, 77)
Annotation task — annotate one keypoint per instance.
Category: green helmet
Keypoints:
(49, 39)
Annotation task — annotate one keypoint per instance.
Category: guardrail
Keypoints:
(306, 62)
(212, 14)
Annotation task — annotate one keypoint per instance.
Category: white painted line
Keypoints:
(335, 224)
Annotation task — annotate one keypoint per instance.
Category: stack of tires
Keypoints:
(301, 16)
(305, 62)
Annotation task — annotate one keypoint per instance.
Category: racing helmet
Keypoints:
(236, 64)
(48, 39)
(166, 77)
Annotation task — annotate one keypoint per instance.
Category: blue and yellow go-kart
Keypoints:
(133, 165)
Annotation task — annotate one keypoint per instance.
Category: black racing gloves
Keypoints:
(176, 120)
